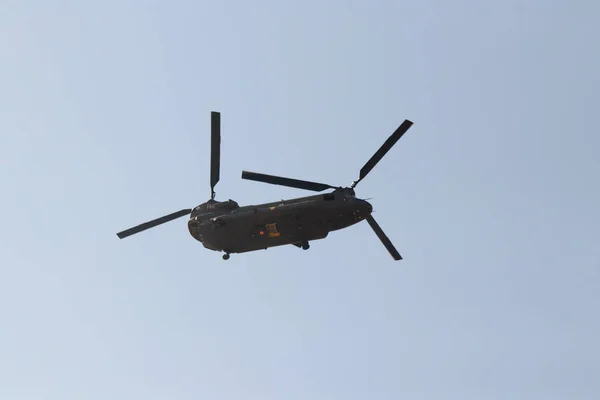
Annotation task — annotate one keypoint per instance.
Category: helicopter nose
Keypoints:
(364, 208)
(368, 207)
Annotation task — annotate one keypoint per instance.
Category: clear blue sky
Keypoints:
(492, 198)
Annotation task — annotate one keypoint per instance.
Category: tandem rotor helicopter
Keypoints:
(226, 227)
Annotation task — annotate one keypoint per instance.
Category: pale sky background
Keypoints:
(492, 198)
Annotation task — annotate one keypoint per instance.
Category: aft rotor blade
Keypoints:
(153, 223)
(384, 239)
(389, 143)
(277, 180)
(215, 150)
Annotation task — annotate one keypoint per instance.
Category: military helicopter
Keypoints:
(226, 227)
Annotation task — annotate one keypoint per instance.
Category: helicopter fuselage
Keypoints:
(225, 226)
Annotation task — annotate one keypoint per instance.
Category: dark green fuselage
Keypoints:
(225, 226)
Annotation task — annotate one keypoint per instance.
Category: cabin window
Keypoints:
(329, 197)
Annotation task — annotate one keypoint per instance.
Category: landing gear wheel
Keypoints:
(305, 246)
(225, 256)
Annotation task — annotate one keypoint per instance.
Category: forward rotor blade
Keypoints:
(389, 143)
(215, 150)
(277, 180)
(384, 239)
(153, 223)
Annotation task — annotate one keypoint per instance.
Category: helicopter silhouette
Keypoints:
(227, 227)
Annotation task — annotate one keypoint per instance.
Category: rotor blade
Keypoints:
(153, 223)
(389, 143)
(384, 239)
(277, 180)
(215, 150)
